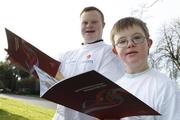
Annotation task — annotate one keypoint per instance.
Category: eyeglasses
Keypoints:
(123, 42)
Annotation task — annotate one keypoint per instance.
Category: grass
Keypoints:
(11, 109)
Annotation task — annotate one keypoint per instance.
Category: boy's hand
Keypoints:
(59, 75)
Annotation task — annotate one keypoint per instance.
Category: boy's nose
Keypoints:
(130, 44)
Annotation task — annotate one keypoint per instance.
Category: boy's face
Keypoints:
(132, 54)
(91, 26)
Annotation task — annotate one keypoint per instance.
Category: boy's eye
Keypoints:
(137, 37)
(84, 23)
(94, 22)
(122, 41)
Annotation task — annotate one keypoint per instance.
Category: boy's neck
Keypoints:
(136, 69)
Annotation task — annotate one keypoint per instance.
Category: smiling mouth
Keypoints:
(90, 31)
(131, 53)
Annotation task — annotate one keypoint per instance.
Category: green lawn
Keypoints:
(11, 109)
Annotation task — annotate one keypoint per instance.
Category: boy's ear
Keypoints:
(150, 42)
(103, 24)
(114, 50)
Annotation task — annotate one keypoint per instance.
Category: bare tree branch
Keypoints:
(167, 54)
(151, 5)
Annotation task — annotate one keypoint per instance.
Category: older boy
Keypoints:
(94, 54)
(131, 42)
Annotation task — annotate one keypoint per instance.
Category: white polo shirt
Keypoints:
(97, 56)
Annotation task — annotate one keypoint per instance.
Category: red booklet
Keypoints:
(26, 55)
(93, 94)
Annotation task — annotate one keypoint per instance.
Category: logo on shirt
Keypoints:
(88, 56)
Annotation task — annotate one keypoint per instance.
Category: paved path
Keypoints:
(33, 100)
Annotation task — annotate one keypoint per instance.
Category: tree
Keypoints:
(16, 80)
(8, 75)
(167, 54)
(143, 8)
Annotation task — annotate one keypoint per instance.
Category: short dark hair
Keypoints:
(91, 8)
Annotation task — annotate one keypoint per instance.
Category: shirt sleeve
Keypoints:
(111, 66)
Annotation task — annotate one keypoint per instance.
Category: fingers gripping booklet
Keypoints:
(93, 94)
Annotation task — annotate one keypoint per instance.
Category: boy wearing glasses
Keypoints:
(131, 42)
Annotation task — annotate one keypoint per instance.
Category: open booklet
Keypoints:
(95, 95)
(26, 55)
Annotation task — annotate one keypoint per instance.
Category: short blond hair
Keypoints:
(125, 23)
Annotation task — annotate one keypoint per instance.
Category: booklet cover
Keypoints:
(95, 95)
(26, 55)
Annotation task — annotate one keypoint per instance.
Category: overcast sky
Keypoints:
(54, 25)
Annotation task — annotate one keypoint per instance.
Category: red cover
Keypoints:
(93, 94)
(27, 55)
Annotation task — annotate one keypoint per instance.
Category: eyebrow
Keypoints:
(137, 33)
